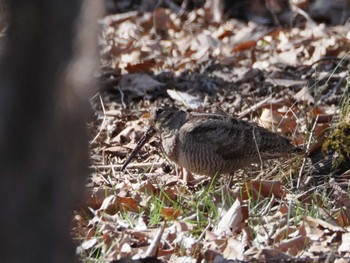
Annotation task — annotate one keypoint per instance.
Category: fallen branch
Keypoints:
(119, 167)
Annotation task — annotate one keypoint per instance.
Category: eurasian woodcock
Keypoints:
(207, 144)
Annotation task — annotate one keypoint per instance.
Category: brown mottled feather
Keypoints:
(212, 143)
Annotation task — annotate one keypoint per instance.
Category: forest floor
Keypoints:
(292, 80)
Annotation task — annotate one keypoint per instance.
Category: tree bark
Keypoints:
(43, 140)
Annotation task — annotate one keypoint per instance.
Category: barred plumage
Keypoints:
(212, 143)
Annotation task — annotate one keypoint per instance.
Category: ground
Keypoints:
(292, 80)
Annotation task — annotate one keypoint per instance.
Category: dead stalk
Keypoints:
(307, 150)
(103, 121)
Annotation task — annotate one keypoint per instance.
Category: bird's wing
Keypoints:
(227, 137)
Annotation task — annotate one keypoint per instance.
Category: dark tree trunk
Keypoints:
(43, 142)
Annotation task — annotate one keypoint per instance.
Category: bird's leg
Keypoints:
(185, 175)
(188, 177)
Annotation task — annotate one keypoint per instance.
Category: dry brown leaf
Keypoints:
(274, 255)
(260, 189)
(320, 136)
(170, 212)
(113, 203)
(124, 136)
(345, 243)
(229, 222)
(94, 198)
(117, 50)
(181, 226)
(234, 250)
(127, 203)
(343, 218)
(310, 198)
(163, 20)
(138, 84)
(145, 65)
(118, 151)
(279, 118)
(168, 193)
(270, 119)
(148, 189)
(244, 46)
(294, 245)
(165, 252)
(315, 222)
(283, 232)
(211, 255)
(319, 248)
(305, 95)
(107, 202)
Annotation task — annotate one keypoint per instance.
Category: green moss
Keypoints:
(339, 142)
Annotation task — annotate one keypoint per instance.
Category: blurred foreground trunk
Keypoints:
(43, 140)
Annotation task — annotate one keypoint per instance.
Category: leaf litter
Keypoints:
(292, 80)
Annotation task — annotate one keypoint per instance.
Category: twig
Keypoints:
(145, 138)
(304, 14)
(333, 89)
(121, 96)
(103, 121)
(307, 150)
(118, 167)
(254, 107)
(204, 231)
(152, 250)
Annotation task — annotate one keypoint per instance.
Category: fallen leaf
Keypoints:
(234, 250)
(305, 95)
(163, 20)
(274, 255)
(89, 243)
(118, 151)
(128, 204)
(315, 222)
(95, 198)
(294, 245)
(245, 45)
(260, 189)
(230, 220)
(286, 82)
(138, 84)
(170, 212)
(145, 65)
(345, 243)
(188, 100)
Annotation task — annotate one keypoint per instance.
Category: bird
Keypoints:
(210, 144)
